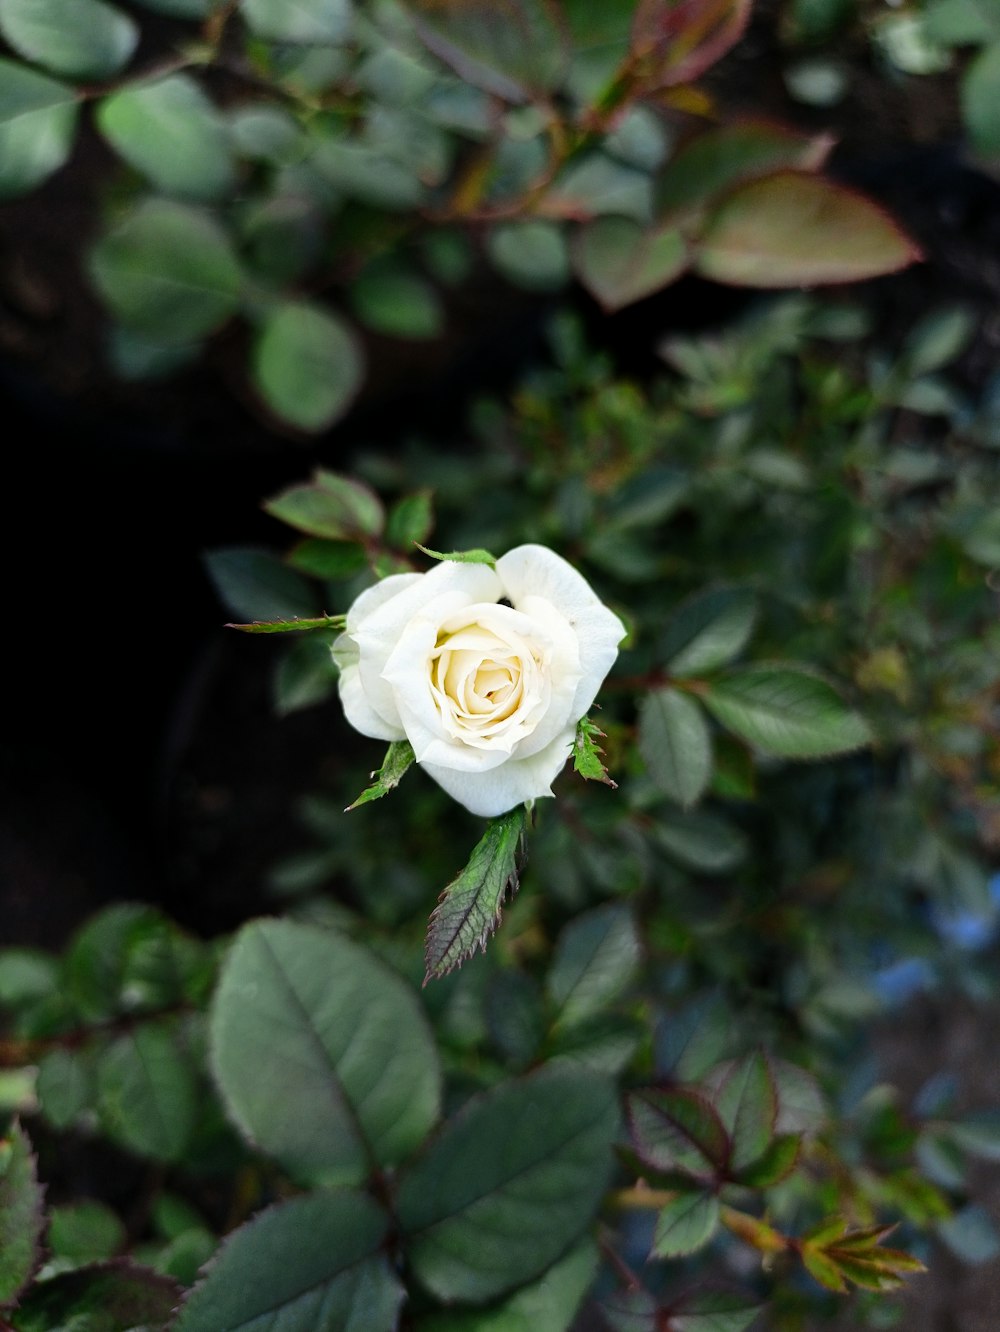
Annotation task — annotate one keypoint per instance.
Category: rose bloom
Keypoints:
(485, 672)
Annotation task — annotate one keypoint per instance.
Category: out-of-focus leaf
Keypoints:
(620, 262)
(531, 254)
(793, 230)
(256, 585)
(397, 303)
(677, 41)
(786, 711)
(307, 365)
(686, 1224)
(981, 101)
(596, 958)
(108, 1297)
(708, 630)
(80, 39)
(331, 505)
(147, 1096)
(37, 127)
(21, 1217)
(306, 22)
(675, 744)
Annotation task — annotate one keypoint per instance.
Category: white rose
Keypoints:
(486, 673)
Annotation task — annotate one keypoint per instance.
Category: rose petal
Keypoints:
(512, 783)
(534, 575)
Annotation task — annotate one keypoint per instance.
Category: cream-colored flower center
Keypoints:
(486, 685)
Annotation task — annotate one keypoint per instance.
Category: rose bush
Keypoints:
(485, 671)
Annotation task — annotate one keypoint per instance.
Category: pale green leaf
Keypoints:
(675, 744)
(80, 39)
(308, 365)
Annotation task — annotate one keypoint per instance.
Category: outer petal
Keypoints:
(512, 783)
(536, 580)
(377, 632)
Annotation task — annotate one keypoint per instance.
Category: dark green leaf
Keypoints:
(515, 1017)
(693, 1039)
(26, 974)
(747, 1103)
(327, 559)
(786, 711)
(777, 1162)
(509, 1184)
(146, 1091)
(981, 101)
(398, 759)
(713, 1311)
(411, 519)
(256, 585)
(306, 675)
(548, 1304)
(531, 254)
(708, 631)
(332, 506)
(686, 1224)
(308, 1011)
(701, 842)
(128, 959)
(81, 39)
(675, 744)
(109, 1297)
(21, 1217)
(85, 1232)
(596, 959)
(135, 358)
(398, 304)
(619, 261)
(311, 1265)
(37, 127)
(678, 1129)
(65, 1087)
(170, 131)
(168, 271)
(308, 22)
(308, 365)
(512, 48)
(470, 907)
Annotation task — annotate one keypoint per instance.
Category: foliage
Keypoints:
(655, 1071)
(326, 170)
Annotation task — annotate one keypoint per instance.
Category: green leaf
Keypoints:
(411, 520)
(302, 22)
(686, 1224)
(596, 959)
(981, 101)
(675, 745)
(315, 1264)
(26, 974)
(713, 1311)
(171, 133)
(85, 1232)
(146, 1091)
(332, 506)
(715, 161)
(396, 763)
(509, 1184)
(596, 185)
(37, 127)
(21, 1218)
(257, 586)
(786, 711)
(532, 254)
(65, 1086)
(550, 1303)
(701, 842)
(938, 339)
(793, 230)
(460, 556)
(515, 49)
(747, 1103)
(588, 755)
(81, 39)
(307, 365)
(308, 1011)
(776, 1164)
(306, 675)
(108, 1297)
(398, 304)
(264, 132)
(327, 559)
(515, 1017)
(961, 22)
(291, 626)
(619, 261)
(168, 271)
(470, 907)
(678, 1129)
(708, 630)
(136, 359)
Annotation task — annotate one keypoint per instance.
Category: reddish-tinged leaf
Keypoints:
(795, 230)
(718, 159)
(677, 1129)
(677, 40)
